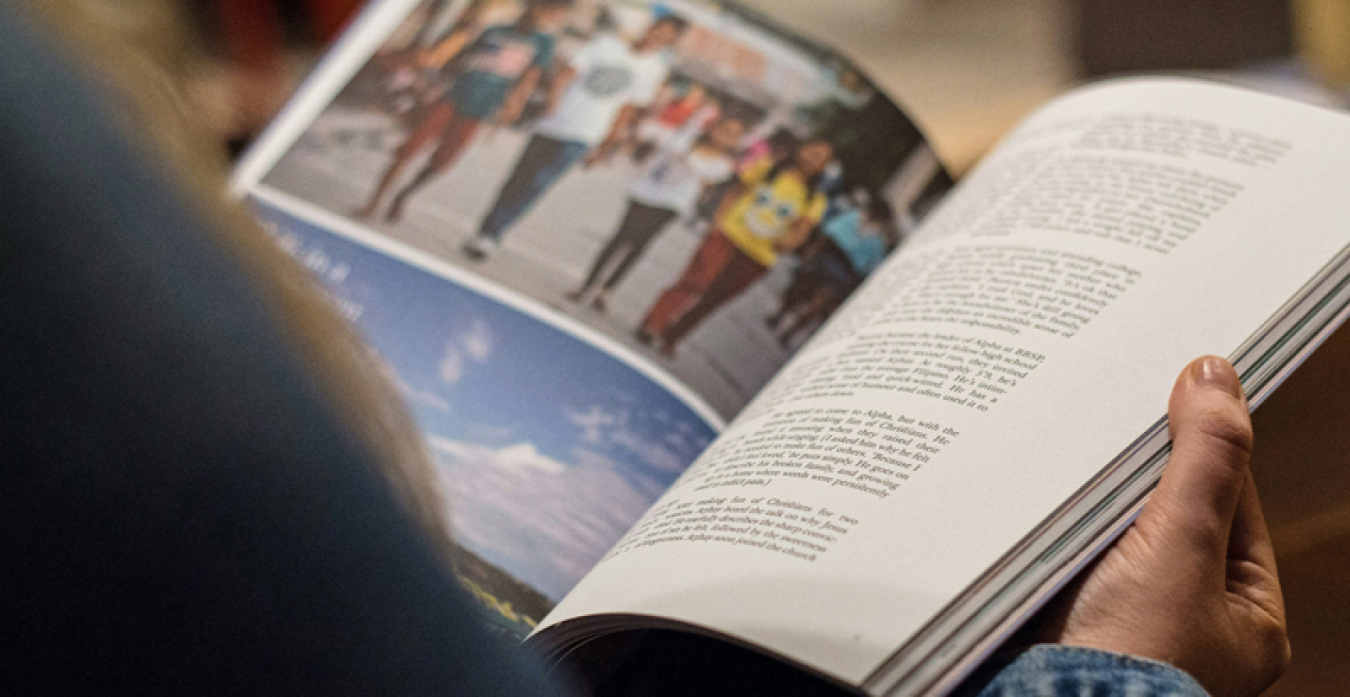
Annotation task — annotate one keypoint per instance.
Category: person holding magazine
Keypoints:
(493, 77)
(773, 208)
(595, 96)
(252, 519)
(669, 187)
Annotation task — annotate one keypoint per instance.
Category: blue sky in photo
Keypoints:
(549, 448)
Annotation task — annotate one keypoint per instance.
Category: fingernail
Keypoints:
(1213, 373)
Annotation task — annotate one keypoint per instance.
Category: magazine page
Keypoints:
(580, 153)
(582, 235)
(1027, 336)
(548, 448)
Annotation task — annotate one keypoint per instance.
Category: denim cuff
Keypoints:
(1051, 670)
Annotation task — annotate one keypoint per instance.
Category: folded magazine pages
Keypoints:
(726, 380)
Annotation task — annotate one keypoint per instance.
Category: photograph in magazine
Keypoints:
(677, 175)
(547, 448)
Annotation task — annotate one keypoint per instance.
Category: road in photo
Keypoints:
(726, 361)
(677, 175)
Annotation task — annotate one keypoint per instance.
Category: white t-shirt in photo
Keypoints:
(608, 76)
(675, 179)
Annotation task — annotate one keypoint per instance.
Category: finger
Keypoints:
(1050, 624)
(1251, 556)
(1211, 442)
(1252, 576)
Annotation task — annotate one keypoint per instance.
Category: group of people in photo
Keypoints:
(492, 76)
(758, 190)
(854, 239)
(756, 202)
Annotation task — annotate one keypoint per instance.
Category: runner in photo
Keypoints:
(667, 189)
(493, 77)
(773, 209)
(595, 96)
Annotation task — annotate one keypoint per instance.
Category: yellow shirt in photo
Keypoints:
(768, 210)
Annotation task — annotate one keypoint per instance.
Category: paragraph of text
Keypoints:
(962, 371)
(787, 527)
(1011, 289)
(1182, 138)
(1143, 204)
(869, 451)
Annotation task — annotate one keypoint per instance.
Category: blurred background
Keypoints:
(967, 70)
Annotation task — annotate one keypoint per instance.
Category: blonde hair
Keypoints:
(144, 59)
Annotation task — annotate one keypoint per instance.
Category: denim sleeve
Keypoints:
(1064, 671)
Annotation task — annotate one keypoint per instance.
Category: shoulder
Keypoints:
(710, 166)
(816, 203)
(653, 66)
(721, 166)
(495, 32)
(606, 45)
(578, 56)
(489, 36)
(544, 45)
(841, 222)
(757, 169)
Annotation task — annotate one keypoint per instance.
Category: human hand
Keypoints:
(1193, 582)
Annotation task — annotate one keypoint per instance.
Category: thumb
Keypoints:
(1198, 496)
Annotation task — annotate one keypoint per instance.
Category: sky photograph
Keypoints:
(549, 449)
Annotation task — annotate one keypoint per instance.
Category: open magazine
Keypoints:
(585, 236)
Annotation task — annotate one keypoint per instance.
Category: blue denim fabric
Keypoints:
(1064, 671)
(542, 164)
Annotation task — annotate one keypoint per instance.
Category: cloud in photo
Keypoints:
(653, 453)
(452, 364)
(544, 521)
(657, 442)
(478, 342)
(413, 396)
(488, 435)
(549, 518)
(472, 345)
(550, 448)
(593, 422)
(519, 458)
